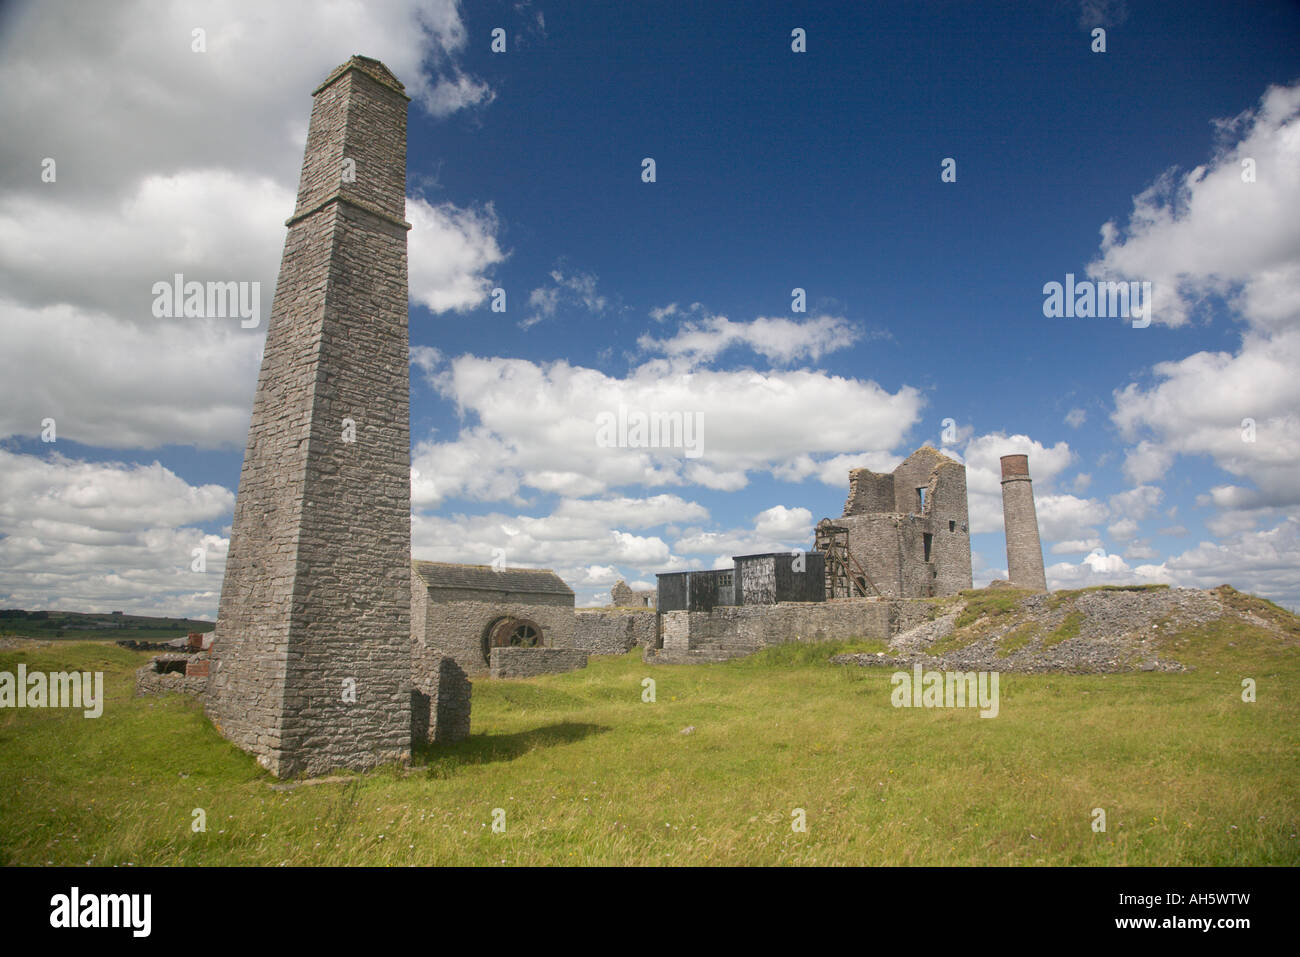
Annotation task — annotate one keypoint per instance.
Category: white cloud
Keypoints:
(575, 291)
(184, 163)
(156, 106)
(1261, 562)
(780, 340)
(450, 251)
(984, 484)
(117, 384)
(1138, 551)
(1062, 517)
(1209, 235)
(456, 93)
(533, 425)
(1136, 503)
(1099, 568)
(102, 536)
(786, 524)
(1077, 546)
(1197, 407)
(1124, 530)
(1075, 418)
(566, 541)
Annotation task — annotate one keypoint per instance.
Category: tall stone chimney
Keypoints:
(1024, 550)
(311, 660)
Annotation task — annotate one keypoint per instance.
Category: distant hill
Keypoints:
(96, 626)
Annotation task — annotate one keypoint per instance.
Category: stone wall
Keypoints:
(625, 597)
(316, 595)
(919, 545)
(755, 627)
(612, 631)
(530, 662)
(946, 503)
(158, 676)
(455, 622)
(440, 700)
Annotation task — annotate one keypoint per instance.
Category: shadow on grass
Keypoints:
(443, 759)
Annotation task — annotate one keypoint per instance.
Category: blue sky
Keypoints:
(774, 170)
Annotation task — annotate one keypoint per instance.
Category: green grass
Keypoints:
(1067, 629)
(986, 603)
(1017, 639)
(589, 774)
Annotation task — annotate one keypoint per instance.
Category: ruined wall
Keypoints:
(531, 662)
(192, 679)
(869, 492)
(950, 523)
(891, 544)
(456, 621)
(761, 626)
(624, 597)
(441, 693)
(612, 631)
(876, 544)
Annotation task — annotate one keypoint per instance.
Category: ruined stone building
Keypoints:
(462, 612)
(903, 534)
(622, 596)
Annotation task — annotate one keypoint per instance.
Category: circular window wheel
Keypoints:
(514, 633)
(525, 636)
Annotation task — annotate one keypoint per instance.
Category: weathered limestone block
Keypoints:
(440, 700)
(612, 631)
(530, 662)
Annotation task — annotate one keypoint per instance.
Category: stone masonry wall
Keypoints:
(756, 627)
(950, 525)
(316, 597)
(530, 662)
(440, 700)
(456, 621)
(192, 680)
(612, 631)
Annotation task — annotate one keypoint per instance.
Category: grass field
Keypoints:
(587, 773)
